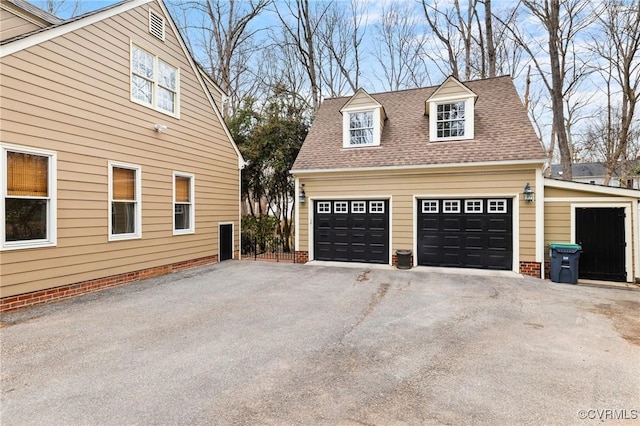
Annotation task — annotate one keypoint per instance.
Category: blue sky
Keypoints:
(371, 67)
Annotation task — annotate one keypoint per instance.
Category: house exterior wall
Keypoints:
(78, 105)
(558, 217)
(403, 186)
(12, 25)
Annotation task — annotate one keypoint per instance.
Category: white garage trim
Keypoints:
(540, 221)
(627, 229)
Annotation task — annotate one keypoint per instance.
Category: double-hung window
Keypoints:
(28, 198)
(183, 203)
(361, 128)
(154, 82)
(125, 207)
(450, 120)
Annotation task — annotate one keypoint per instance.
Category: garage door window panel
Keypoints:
(473, 206)
(430, 206)
(324, 207)
(497, 206)
(358, 207)
(341, 207)
(451, 206)
(376, 206)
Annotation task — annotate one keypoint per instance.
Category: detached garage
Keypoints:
(452, 174)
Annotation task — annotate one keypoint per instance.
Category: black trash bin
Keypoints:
(565, 259)
(404, 259)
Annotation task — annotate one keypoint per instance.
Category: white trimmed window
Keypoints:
(429, 206)
(358, 207)
(125, 207)
(361, 128)
(497, 206)
(341, 207)
(473, 206)
(451, 119)
(376, 206)
(183, 203)
(28, 198)
(451, 206)
(154, 83)
(324, 207)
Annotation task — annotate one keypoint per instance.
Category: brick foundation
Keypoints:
(301, 257)
(394, 260)
(71, 290)
(530, 268)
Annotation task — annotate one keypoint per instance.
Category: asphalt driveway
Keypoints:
(266, 343)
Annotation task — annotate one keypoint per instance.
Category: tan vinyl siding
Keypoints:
(559, 203)
(78, 105)
(451, 89)
(361, 100)
(12, 25)
(403, 186)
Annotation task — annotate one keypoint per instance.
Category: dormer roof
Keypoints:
(503, 132)
(451, 89)
(362, 100)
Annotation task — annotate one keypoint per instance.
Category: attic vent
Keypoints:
(156, 24)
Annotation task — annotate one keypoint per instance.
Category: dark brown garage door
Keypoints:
(466, 233)
(351, 231)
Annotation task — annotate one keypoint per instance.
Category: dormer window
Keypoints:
(361, 128)
(451, 112)
(362, 121)
(450, 120)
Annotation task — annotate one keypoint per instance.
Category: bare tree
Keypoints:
(218, 32)
(300, 21)
(562, 20)
(619, 22)
(66, 8)
(340, 37)
(441, 21)
(400, 47)
(490, 46)
(475, 47)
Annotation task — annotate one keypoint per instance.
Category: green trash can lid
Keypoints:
(565, 246)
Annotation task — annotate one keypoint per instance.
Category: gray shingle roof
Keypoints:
(503, 132)
(36, 11)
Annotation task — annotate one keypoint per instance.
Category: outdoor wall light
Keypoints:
(528, 193)
(160, 128)
(302, 197)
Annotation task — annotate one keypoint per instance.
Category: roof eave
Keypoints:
(532, 162)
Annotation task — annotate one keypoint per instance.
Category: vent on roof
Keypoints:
(156, 24)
